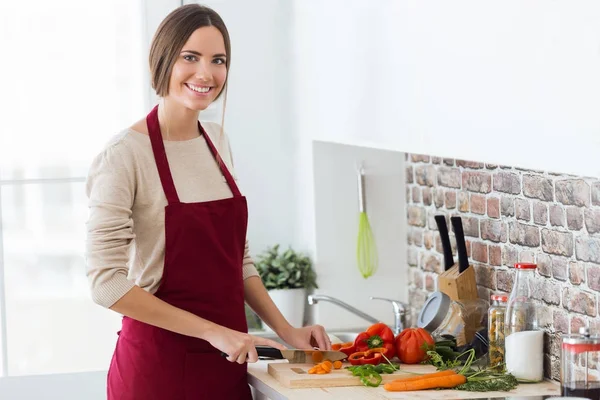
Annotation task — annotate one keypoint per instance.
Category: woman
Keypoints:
(167, 234)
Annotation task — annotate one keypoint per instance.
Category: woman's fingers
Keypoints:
(322, 339)
(252, 355)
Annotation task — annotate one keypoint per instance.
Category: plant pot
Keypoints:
(291, 304)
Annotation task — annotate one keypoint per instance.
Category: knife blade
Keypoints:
(461, 247)
(295, 356)
(440, 220)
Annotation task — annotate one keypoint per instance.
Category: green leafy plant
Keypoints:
(287, 270)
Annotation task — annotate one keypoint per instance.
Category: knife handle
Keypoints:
(263, 351)
(461, 247)
(440, 220)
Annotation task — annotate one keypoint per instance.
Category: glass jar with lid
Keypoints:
(580, 365)
(496, 316)
(524, 341)
(441, 316)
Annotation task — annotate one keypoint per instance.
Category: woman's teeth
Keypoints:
(198, 89)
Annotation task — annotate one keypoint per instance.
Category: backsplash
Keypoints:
(510, 215)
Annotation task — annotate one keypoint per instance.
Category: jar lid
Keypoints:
(499, 297)
(525, 266)
(434, 311)
(582, 342)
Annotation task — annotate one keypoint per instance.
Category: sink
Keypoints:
(335, 336)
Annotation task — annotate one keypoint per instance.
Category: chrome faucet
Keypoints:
(399, 309)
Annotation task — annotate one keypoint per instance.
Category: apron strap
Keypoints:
(160, 156)
(230, 181)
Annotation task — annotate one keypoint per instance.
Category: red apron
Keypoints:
(203, 275)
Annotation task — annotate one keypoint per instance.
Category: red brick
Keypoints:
(427, 196)
(560, 268)
(576, 323)
(525, 235)
(505, 279)
(477, 204)
(469, 164)
(522, 209)
(431, 263)
(429, 282)
(493, 207)
(410, 178)
(485, 276)
(449, 177)
(593, 277)
(561, 321)
(428, 240)
(540, 213)
(507, 206)
(480, 182)
(425, 175)
(588, 249)
(557, 215)
(592, 220)
(510, 256)
(420, 158)
(574, 192)
(479, 252)
(416, 194)
(463, 202)
(495, 255)
(450, 199)
(449, 162)
(526, 257)
(417, 216)
(577, 273)
(544, 265)
(578, 301)
(471, 226)
(538, 187)
(507, 182)
(560, 243)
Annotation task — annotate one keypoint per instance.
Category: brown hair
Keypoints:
(172, 34)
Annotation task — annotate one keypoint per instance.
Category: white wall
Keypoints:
(512, 82)
(258, 115)
(336, 230)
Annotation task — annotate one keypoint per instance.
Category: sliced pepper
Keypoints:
(371, 356)
(372, 380)
(347, 348)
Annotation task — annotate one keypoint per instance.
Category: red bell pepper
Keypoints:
(371, 356)
(378, 335)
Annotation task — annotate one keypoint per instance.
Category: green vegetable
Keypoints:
(372, 380)
(490, 382)
(370, 374)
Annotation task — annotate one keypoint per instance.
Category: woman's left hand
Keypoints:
(307, 337)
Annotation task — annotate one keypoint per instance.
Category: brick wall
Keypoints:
(509, 215)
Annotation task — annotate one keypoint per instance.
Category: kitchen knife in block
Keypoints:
(459, 282)
(440, 220)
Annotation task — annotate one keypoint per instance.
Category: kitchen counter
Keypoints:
(269, 388)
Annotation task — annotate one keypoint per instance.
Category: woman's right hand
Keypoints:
(239, 346)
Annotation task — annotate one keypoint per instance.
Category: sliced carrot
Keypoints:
(327, 367)
(321, 372)
(337, 364)
(446, 382)
(317, 357)
(336, 346)
(447, 372)
(314, 369)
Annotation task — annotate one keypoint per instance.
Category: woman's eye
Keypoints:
(219, 61)
(189, 57)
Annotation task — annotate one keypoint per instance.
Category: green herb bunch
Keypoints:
(287, 270)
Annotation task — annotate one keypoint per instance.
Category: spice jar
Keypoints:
(496, 316)
(524, 340)
(442, 316)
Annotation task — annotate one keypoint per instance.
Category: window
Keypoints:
(73, 74)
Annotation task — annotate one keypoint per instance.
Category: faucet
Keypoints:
(399, 309)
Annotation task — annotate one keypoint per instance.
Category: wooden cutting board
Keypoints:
(297, 376)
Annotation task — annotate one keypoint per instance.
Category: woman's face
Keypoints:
(199, 72)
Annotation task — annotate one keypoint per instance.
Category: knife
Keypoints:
(440, 220)
(461, 247)
(296, 356)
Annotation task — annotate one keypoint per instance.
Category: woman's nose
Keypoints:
(203, 71)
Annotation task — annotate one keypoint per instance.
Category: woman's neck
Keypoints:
(177, 123)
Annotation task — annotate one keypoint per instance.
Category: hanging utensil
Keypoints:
(366, 250)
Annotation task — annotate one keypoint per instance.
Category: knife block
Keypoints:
(459, 287)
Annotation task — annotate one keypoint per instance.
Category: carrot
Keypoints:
(336, 346)
(447, 382)
(327, 366)
(447, 372)
(337, 364)
(314, 369)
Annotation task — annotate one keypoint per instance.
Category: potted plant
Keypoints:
(287, 276)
